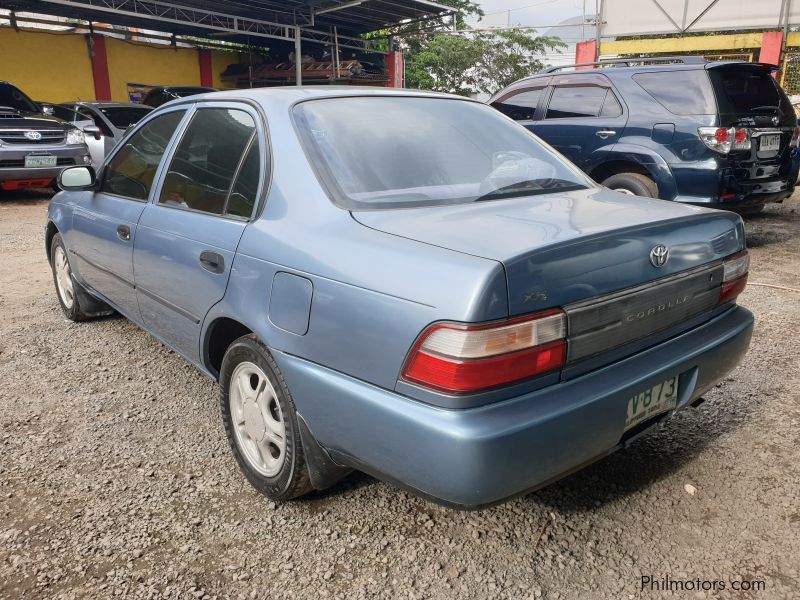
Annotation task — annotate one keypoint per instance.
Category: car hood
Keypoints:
(11, 119)
(561, 248)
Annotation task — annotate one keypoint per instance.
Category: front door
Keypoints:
(104, 222)
(187, 238)
(583, 116)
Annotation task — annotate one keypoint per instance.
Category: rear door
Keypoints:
(104, 222)
(187, 237)
(582, 115)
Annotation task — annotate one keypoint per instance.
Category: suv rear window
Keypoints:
(747, 90)
(680, 92)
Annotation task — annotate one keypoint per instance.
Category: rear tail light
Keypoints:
(725, 140)
(734, 278)
(457, 358)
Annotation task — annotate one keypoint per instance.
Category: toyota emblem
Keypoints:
(775, 120)
(659, 255)
(33, 135)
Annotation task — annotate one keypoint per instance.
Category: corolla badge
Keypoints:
(659, 255)
(33, 135)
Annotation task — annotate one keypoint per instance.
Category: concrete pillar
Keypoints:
(206, 70)
(99, 58)
(586, 51)
(771, 44)
(394, 67)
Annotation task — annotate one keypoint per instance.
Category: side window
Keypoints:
(130, 173)
(611, 107)
(206, 159)
(245, 188)
(576, 101)
(680, 92)
(520, 106)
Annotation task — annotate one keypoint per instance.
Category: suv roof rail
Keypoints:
(687, 60)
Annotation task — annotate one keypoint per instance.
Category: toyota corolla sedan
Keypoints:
(404, 283)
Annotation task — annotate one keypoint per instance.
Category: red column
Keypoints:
(102, 84)
(771, 42)
(206, 71)
(586, 52)
(394, 66)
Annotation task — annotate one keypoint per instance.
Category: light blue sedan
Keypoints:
(403, 283)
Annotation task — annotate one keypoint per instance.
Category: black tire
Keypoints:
(292, 480)
(633, 183)
(74, 308)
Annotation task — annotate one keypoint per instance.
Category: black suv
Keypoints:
(720, 134)
(34, 147)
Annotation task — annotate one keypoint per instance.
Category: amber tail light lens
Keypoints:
(734, 278)
(458, 358)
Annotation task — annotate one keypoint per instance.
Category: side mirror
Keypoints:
(47, 109)
(76, 179)
(94, 131)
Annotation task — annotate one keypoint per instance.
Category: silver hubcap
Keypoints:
(624, 191)
(257, 419)
(63, 277)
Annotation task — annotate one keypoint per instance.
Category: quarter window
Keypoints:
(245, 188)
(520, 106)
(206, 160)
(680, 92)
(130, 173)
(575, 101)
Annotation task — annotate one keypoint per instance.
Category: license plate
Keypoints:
(660, 398)
(39, 161)
(769, 142)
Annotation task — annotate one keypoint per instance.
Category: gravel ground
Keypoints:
(115, 478)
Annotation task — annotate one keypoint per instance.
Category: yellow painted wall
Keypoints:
(151, 65)
(684, 44)
(219, 62)
(47, 66)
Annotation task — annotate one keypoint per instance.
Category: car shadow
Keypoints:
(25, 196)
(773, 226)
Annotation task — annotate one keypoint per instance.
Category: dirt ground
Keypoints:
(116, 481)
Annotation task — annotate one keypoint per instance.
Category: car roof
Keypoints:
(288, 95)
(621, 69)
(108, 104)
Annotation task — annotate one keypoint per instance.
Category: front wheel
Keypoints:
(634, 184)
(260, 421)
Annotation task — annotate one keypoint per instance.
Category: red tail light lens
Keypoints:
(457, 358)
(725, 140)
(734, 278)
(722, 135)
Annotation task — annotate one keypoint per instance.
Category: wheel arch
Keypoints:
(219, 335)
(50, 231)
(628, 158)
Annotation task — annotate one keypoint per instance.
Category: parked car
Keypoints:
(403, 283)
(94, 139)
(719, 134)
(163, 94)
(34, 146)
(112, 118)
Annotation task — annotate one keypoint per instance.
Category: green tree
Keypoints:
(480, 61)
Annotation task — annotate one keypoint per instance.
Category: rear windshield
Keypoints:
(680, 92)
(748, 90)
(123, 116)
(395, 152)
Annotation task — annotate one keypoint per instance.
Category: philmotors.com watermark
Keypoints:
(652, 583)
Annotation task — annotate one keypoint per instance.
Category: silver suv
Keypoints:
(34, 147)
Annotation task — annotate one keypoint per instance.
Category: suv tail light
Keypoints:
(725, 140)
(734, 279)
(457, 358)
(795, 137)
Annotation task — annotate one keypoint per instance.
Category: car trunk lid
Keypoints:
(590, 253)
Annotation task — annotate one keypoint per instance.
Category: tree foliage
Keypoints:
(480, 61)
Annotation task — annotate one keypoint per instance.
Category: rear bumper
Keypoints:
(480, 456)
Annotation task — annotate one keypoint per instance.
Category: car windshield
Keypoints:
(122, 117)
(748, 90)
(397, 152)
(11, 97)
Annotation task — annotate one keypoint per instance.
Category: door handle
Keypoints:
(605, 133)
(124, 233)
(212, 261)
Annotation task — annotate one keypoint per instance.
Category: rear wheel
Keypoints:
(70, 293)
(260, 421)
(635, 184)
